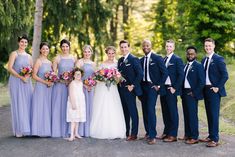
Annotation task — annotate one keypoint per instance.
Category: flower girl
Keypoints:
(76, 111)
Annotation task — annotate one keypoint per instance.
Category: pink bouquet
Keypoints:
(26, 71)
(109, 76)
(90, 81)
(51, 76)
(66, 77)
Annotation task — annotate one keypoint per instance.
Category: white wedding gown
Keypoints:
(107, 120)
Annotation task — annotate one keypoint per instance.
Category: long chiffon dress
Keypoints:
(21, 97)
(60, 128)
(84, 127)
(41, 105)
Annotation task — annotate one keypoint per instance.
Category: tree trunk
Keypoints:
(114, 25)
(125, 5)
(37, 33)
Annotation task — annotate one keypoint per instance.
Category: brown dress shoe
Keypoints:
(170, 139)
(131, 138)
(183, 138)
(212, 144)
(205, 140)
(146, 138)
(191, 141)
(161, 137)
(152, 141)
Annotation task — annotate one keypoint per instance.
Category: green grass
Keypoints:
(4, 95)
(227, 111)
(228, 103)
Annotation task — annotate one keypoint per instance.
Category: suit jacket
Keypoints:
(132, 72)
(157, 71)
(175, 69)
(196, 79)
(217, 72)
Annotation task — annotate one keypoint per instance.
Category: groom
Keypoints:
(131, 70)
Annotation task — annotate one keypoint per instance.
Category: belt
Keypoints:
(146, 82)
(208, 86)
(187, 89)
(167, 85)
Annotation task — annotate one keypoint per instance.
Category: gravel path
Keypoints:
(88, 147)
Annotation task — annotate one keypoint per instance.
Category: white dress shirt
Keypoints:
(168, 80)
(186, 83)
(208, 82)
(148, 77)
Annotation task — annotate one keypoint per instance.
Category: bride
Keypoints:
(107, 116)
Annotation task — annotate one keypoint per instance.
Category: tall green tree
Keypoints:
(15, 20)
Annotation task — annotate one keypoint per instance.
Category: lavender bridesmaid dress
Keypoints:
(41, 105)
(21, 96)
(60, 128)
(84, 127)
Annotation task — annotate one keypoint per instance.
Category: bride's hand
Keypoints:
(130, 87)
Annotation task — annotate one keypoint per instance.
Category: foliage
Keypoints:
(15, 19)
(189, 23)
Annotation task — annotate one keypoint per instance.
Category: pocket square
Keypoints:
(169, 64)
(128, 64)
(152, 63)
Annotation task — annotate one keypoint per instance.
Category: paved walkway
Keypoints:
(88, 147)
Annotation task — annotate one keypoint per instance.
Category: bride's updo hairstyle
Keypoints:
(110, 48)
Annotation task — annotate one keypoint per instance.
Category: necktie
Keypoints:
(145, 68)
(121, 60)
(185, 71)
(165, 59)
(206, 65)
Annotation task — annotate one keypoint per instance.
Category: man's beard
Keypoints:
(190, 60)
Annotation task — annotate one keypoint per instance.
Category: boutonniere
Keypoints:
(211, 60)
(190, 67)
(125, 61)
(150, 60)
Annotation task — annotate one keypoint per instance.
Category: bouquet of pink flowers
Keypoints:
(66, 77)
(109, 76)
(90, 81)
(26, 71)
(51, 76)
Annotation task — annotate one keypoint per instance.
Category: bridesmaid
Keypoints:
(88, 66)
(41, 103)
(20, 89)
(62, 63)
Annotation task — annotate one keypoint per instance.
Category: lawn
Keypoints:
(4, 95)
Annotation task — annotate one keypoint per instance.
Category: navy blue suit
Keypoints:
(218, 76)
(170, 115)
(132, 72)
(158, 74)
(190, 97)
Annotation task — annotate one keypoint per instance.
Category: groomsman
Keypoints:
(194, 81)
(216, 77)
(131, 70)
(173, 85)
(155, 74)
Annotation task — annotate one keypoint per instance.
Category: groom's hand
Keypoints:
(130, 87)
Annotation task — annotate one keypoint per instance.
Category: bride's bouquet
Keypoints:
(109, 76)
